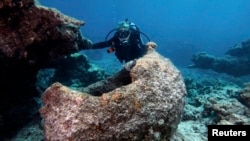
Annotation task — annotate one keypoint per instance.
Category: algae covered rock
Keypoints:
(31, 37)
(147, 107)
(244, 94)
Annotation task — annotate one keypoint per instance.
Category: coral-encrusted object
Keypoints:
(31, 37)
(148, 107)
(35, 33)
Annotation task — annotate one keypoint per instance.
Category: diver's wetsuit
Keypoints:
(130, 50)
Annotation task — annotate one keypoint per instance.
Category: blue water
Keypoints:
(179, 27)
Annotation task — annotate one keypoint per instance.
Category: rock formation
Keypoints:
(35, 33)
(31, 37)
(74, 71)
(235, 58)
(145, 103)
(244, 95)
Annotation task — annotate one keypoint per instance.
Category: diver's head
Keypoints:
(123, 31)
(123, 25)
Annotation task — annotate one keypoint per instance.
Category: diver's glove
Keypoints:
(151, 44)
(129, 65)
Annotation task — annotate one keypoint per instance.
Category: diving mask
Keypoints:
(123, 35)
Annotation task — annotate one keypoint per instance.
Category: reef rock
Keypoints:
(74, 71)
(147, 105)
(35, 33)
(231, 112)
(235, 58)
(240, 50)
(244, 95)
(31, 37)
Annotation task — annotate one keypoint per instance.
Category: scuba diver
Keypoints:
(126, 43)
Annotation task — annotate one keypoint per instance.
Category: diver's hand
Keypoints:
(129, 65)
(89, 44)
(85, 44)
(151, 44)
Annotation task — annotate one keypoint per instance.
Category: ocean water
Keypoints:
(181, 28)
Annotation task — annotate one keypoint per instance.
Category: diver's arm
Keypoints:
(101, 45)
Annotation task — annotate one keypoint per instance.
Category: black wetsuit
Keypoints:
(131, 50)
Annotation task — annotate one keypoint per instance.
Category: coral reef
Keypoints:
(240, 50)
(235, 58)
(35, 33)
(218, 102)
(31, 37)
(212, 99)
(148, 105)
(230, 111)
(244, 95)
(33, 131)
(73, 71)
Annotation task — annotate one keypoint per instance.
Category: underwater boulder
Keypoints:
(147, 105)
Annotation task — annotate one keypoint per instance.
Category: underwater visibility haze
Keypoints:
(179, 27)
